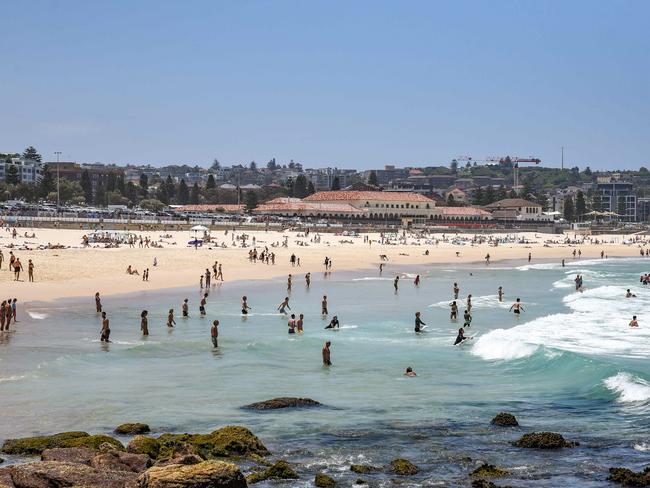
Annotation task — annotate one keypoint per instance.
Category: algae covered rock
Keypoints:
(207, 474)
(505, 419)
(324, 481)
(403, 467)
(51, 474)
(36, 445)
(362, 468)
(281, 470)
(142, 444)
(132, 429)
(627, 477)
(486, 484)
(283, 402)
(81, 455)
(121, 461)
(489, 471)
(543, 440)
(232, 440)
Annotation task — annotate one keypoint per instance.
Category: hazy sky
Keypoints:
(355, 84)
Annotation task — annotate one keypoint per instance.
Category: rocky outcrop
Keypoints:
(228, 441)
(80, 455)
(627, 477)
(144, 445)
(53, 474)
(121, 461)
(403, 467)
(362, 468)
(486, 484)
(543, 440)
(5, 478)
(132, 429)
(505, 419)
(279, 471)
(283, 402)
(36, 445)
(207, 474)
(324, 481)
(489, 471)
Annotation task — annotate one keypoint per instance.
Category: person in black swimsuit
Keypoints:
(418, 323)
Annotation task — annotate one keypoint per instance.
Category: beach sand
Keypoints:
(78, 271)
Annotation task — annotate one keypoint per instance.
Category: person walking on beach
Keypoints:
(323, 305)
(219, 274)
(214, 333)
(106, 331)
(487, 258)
(14, 309)
(454, 311)
(456, 291)
(516, 307)
(419, 325)
(98, 303)
(144, 323)
(18, 267)
(327, 361)
(185, 308)
(2, 258)
(30, 271)
(2, 315)
(204, 300)
(284, 305)
(170, 318)
(500, 293)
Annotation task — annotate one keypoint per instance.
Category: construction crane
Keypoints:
(514, 162)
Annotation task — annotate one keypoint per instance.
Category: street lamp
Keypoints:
(58, 153)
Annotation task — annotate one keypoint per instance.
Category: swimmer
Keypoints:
(106, 331)
(418, 323)
(202, 304)
(334, 323)
(416, 282)
(516, 307)
(284, 305)
(170, 318)
(410, 372)
(308, 280)
(186, 308)
(299, 322)
(214, 333)
(326, 354)
(98, 303)
(454, 311)
(461, 337)
(633, 322)
(467, 317)
(456, 291)
(323, 305)
(144, 323)
(292, 324)
(500, 293)
(629, 294)
(469, 303)
(244, 306)
(396, 282)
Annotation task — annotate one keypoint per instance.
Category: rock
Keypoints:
(207, 474)
(543, 440)
(362, 468)
(505, 419)
(184, 459)
(283, 402)
(324, 481)
(141, 444)
(280, 470)
(132, 429)
(359, 481)
(486, 484)
(121, 461)
(80, 455)
(5, 478)
(53, 474)
(627, 477)
(36, 445)
(403, 467)
(228, 441)
(489, 471)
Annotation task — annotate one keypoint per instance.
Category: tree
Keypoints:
(152, 204)
(210, 183)
(568, 209)
(251, 201)
(271, 165)
(335, 184)
(144, 185)
(310, 189)
(47, 183)
(100, 191)
(542, 199)
(87, 186)
(587, 172)
(528, 189)
(170, 187)
(454, 166)
(69, 191)
(581, 206)
(131, 192)
(116, 198)
(596, 203)
(216, 165)
(162, 193)
(300, 187)
(253, 166)
(183, 193)
(479, 197)
(490, 197)
(195, 194)
(372, 179)
(120, 185)
(32, 153)
(13, 176)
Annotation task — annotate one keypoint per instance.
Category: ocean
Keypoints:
(568, 364)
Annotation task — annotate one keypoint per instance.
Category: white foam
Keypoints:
(37, 315)
(372, 278)
(502, 344)
(11, 378)
(643, 447)
(630, 389)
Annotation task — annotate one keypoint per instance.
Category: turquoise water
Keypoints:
(570, 364)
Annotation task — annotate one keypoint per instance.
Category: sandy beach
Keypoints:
(77, 271)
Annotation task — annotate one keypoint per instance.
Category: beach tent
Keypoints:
(197, 233)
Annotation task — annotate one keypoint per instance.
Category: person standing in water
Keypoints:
(98, 303)
(170, 318)
(292, 324)
(308, 280)
(106, 331)
(327, 359)
(456, 291)
(214, 333)
(469, 303)
(204, 300)
(500, 293)
(416, 282)
(284, 305)
(418, 323)
(244, 306)
(144, 323)
(633, 322)
(299, 323)
(530, 256)
(516, 307)
(467, 317)
(323, 305)
(186, 308)
(396, 282)
(454, 311)
(289, 283)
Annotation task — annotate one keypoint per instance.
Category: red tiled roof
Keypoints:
(293, 206)
(393, 196)
(512, 203)
(217, 207)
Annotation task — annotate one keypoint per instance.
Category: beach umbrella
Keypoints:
(199, 228)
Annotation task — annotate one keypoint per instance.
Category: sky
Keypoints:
(356, 84)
